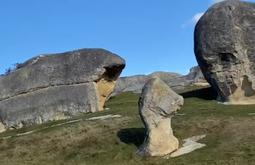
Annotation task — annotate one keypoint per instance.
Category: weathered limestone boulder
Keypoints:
(225, 50)
(58, 86)
(157, 104)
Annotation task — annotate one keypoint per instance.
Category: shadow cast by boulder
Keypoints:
(132, 136)
(205, 93)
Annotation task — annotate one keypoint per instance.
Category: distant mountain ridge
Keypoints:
(174, 80)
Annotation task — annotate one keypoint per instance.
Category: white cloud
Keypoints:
(216, 1)
(193, 20)
(196, 17)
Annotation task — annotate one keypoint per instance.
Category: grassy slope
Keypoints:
(230, 136)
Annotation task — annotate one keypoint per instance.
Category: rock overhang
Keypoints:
(60, 77)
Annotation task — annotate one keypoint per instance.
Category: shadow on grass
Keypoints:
(132, 136)
(205, 93)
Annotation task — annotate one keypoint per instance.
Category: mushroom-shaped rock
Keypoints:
(157, 104)
(225, 50)
(57, 86)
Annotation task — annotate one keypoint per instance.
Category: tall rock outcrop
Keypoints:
(157, 105)
(57, 86)
(224, 48)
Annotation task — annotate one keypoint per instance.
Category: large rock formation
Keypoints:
(224, 48)
(173, 80)
(157, 105)
(57, 86)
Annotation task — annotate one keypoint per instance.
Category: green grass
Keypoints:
(230, 136)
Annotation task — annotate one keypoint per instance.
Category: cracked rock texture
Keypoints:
(225, 50)
(157, 104)
(58, 86)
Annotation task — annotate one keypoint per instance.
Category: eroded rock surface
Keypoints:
(157, 104)
(57, 86)
(224, 48)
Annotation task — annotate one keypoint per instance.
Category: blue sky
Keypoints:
(151, 35)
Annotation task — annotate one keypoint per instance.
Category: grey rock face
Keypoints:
(157, 105)
(58, 86)
(224, 48)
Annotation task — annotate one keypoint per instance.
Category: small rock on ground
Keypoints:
(190, 144)
(104, 117)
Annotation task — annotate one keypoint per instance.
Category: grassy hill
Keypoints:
(230, 136)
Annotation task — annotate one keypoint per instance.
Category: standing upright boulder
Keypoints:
(157, 104)
(225, 50)
(58, 86)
